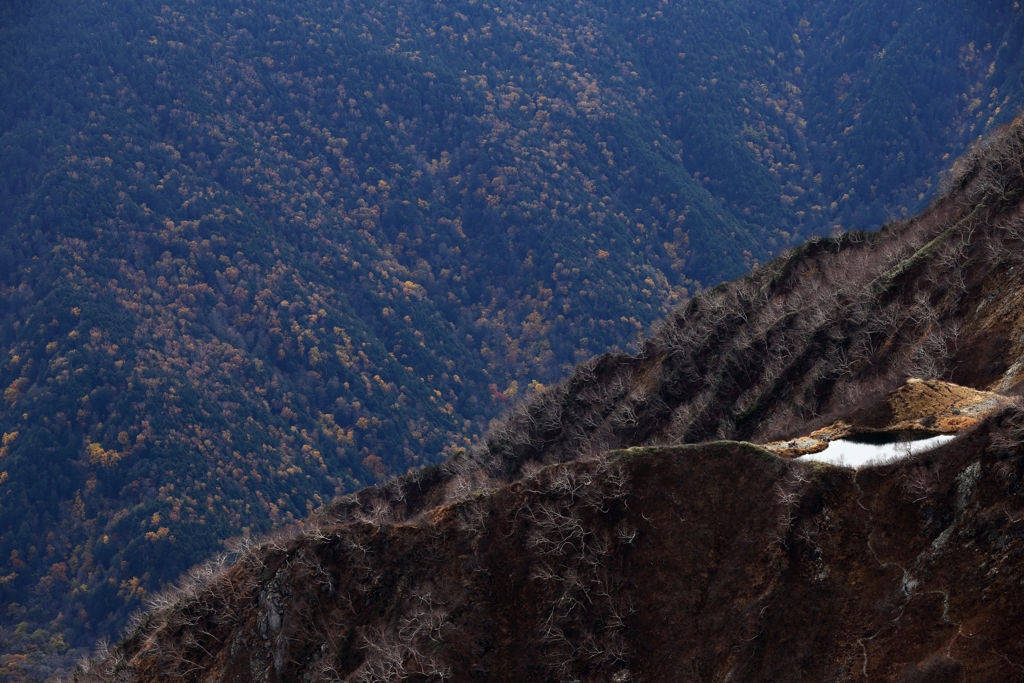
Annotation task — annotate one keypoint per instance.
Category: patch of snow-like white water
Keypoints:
(876, 448)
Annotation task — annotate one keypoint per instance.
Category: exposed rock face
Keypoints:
(926, 406)
(584, 543)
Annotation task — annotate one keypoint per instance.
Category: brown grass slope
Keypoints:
(584, 542)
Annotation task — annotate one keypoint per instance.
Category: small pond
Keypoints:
(864, 449)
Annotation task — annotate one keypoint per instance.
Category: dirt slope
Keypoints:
(924, 406)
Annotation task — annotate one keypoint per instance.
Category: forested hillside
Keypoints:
(601, 534)
(258, 254)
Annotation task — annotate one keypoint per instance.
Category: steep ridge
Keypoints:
(811, 335)
(606, 531)
(257, 255)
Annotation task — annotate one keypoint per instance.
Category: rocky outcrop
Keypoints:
(919, 406)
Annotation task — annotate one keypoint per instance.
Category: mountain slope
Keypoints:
(657, 564)
(256, 256)
(810, 335)
(582, 543)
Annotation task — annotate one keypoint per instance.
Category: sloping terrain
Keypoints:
(710, 562)
(257, 255)
(811, 336)
(588, 541)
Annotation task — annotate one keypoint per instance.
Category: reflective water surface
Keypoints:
(870, 448)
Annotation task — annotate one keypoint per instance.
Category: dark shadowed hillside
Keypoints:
(622, 525)
(656, 564)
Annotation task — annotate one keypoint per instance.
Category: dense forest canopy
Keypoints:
(258, 254)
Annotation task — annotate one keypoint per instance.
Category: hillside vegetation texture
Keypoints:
(258, 255)
(587, 541)
(616, 527)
